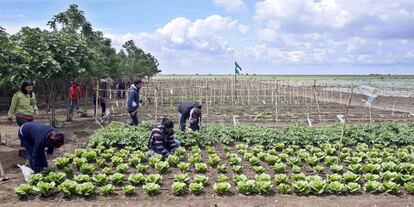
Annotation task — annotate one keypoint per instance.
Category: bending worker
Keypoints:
(36, 137)
(162, 140)
(191, 111)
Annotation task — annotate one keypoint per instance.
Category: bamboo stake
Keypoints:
(345, 122)
(316, 100)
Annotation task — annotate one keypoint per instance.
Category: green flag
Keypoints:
(237, 68)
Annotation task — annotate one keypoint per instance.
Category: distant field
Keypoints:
(387, 85)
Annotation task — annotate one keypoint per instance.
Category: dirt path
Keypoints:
(237, 200)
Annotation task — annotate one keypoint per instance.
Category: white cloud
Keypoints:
(231, 5)
(243, 28)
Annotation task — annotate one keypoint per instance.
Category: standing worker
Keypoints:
(133, 101)
(23, 106)
(74, 96)
(36, 137)
(191, 111)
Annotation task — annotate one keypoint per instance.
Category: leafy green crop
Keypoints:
(222, 169)
(246, 187)
(183, 178)
(221, 187)
(82, 178)
(301, 187)
(128, 189)
(214, 160)
(68, 188)
(239, 177)
(196, 188)
(201, 179)
(222, 178)
(373, 187)
(237, 169)
(151, 189)
(335, 187)
(107, 190)
(178, 188)
(284, 188)
(100, 179)
(142, 168)
(317, 186)
(117, 178)
(184, 167)
(262, 186)
(56, 177)
(134, 161)
(162, 167)
(87, 168)
(45, 189)
(173, 160)
(136, 179)
(279, 167)
(353, 187)
(24, 190)
(200, 167)
(153, 178)
(281, 178)
(61, 162)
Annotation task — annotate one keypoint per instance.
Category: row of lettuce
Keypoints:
(118, 134)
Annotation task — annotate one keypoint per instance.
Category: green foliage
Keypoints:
(153, 178)
(284, 188)
(45, 189)
(173, 160)
(24, 190)
(246, 187)
(222, 178)
(222, 169)
(56, 177)
(87, 168)
(178, 188)
(136, 179)
(107, 190)
(195, 188)
(151, 189)
(162, 167)
(221, 187)
(184, 167)
(128, 189)
(183, 178)
(142, 168)
(200, 167)
(117, 178)
(68, 188)
(201, 179)
(100, 179)
(82, 178)
(353, 187)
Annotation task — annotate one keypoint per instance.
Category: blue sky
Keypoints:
(263, 36)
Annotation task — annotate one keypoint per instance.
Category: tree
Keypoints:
(138, 63)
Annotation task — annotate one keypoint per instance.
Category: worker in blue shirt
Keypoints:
(36, 137)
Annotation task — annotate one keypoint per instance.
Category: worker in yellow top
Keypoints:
(23, 106)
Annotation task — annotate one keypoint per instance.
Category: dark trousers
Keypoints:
(74, 104)
(41, 163)
(134, 117)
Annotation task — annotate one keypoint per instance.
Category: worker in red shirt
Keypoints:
(74, 96)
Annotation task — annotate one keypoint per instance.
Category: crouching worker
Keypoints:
(36, 137)
(192, 112)
(161, 140)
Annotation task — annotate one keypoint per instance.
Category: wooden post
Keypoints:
(156, 103)
(96, 99)
(316, 100)
(345, 121)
